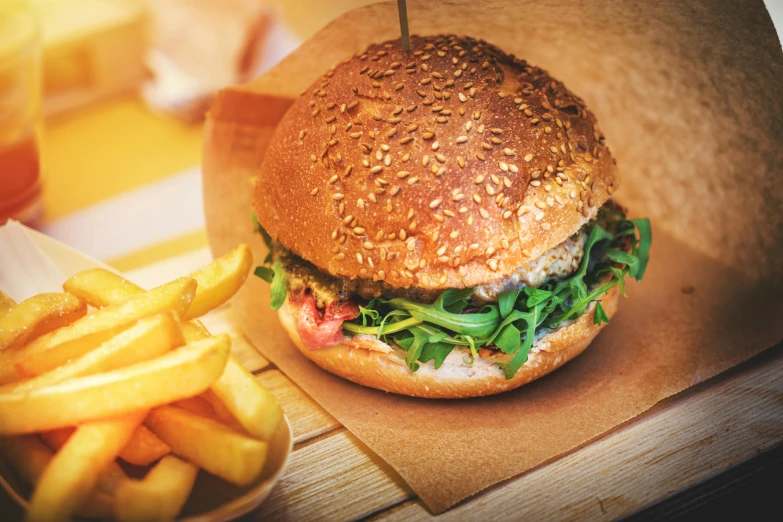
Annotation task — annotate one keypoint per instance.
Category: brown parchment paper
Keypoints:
(690, 96)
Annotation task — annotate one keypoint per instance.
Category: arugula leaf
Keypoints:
(421, 337)
(631, 261)
(265, 273)
(645, 241)
(437, 352)
(536, 296)
(508, 339)
(600, 316)
(477, 324)
(455, 300)
(506, 301)
(512, 367)
(278, 290)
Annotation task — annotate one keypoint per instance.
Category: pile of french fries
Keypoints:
(108, 375)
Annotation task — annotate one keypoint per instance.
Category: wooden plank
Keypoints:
(335, 478)
(708, 429)
(307, 418)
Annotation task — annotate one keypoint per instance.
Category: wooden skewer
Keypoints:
(406, 39)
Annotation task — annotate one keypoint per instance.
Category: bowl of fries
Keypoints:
(117, 403)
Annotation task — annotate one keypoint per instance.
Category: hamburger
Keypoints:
(440, 221)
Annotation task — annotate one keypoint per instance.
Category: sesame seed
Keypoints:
(483, 213)
(454, 234)
(435, 145)
(391, 133)
(476, 198)
(480, 156)
(539, 216)
(435, 203)
(546, 226)
(333, 179)
(440, 157)
(462, 139)
(528, 157)
(486, 146)
(468, 126)
(548, 187)
(352, 105)
(359, 258)
(388, 207)
(489, 190)
(481, 129)
(553, 149)
(376, 169)
(427, 135)
(338, 196)
(411, 243)
(503, 166)
(473, 246)
(508, 152)
(367, 245)
(461, 162)
(412, 180)
(355, 135)
(314, 191)
(439, 218)
(513, 168)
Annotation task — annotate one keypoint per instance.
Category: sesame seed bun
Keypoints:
(445, 167)
(375, 364)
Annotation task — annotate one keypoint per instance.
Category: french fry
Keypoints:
(143, 448)
(220, 280)
(98, 287)
(209, 444)
(252, 405)
(150, 337)
(29, 457)
(6, 303)
(198, 405)
(175, 375)
(60, 346)
(159, 496)
(36, 316)
(74, 470)
(194, 330)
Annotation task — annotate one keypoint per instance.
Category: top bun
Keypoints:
(445, 167)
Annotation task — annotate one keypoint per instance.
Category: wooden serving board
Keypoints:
(703, 431)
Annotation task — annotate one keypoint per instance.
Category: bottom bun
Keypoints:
(369, 362)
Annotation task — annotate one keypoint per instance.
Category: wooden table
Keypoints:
(707, 432)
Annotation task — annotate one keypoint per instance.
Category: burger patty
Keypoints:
(557, 263)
